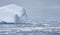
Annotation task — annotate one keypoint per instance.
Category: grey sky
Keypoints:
(38, 10)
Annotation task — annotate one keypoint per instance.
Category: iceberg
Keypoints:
(13, 13)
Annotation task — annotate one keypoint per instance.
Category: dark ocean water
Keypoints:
(29, 33)
(5, 30)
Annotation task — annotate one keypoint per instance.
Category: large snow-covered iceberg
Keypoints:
(13, 13)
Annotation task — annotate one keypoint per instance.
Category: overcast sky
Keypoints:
(38, 10)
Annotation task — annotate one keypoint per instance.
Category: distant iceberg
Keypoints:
(13, 13)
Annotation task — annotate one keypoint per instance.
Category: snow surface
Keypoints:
(8, 13)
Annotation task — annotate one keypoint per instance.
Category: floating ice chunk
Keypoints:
(13, 13)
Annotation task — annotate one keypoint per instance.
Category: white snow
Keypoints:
(7, 13)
